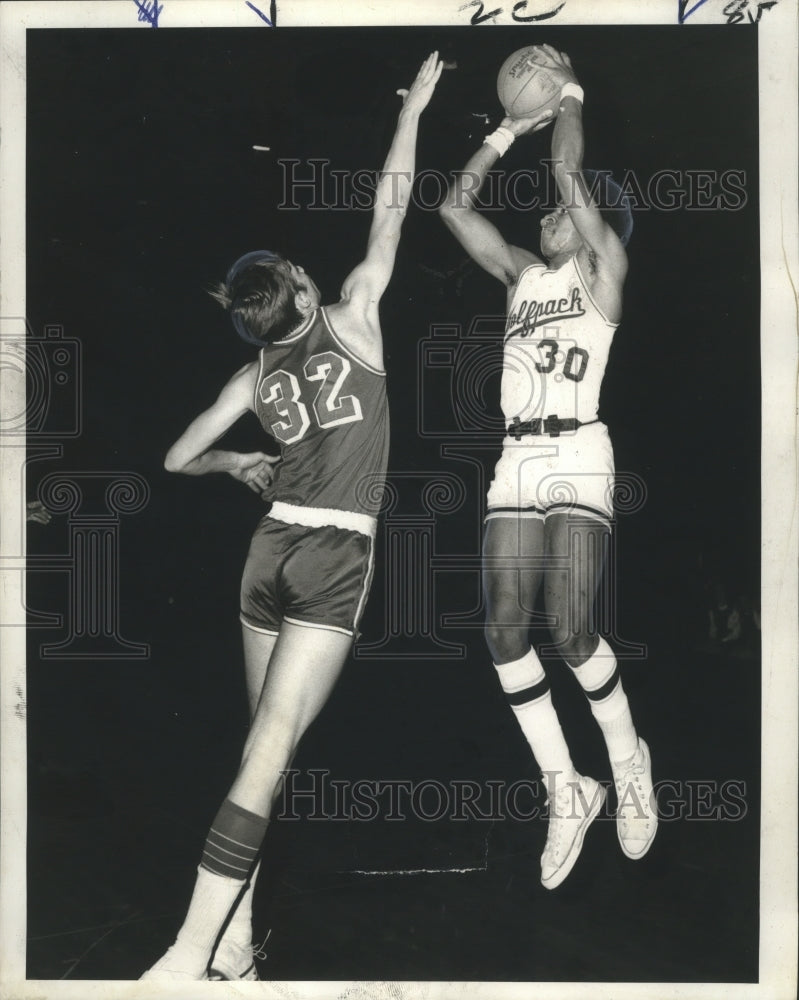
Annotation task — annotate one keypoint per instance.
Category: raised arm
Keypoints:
(192, 453)
(365, 285)
(606, 255)
(479, 237)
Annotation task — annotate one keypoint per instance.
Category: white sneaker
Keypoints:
(233, 965)
(221, 971)
(574, 808)
(167, 970)
(636, 819)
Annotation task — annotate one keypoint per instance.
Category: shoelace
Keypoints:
(556, 820)
(632, 774)
(258, 949)
(257, 952)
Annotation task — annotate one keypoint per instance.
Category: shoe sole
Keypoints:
(564, 870)
(625, 852)
(224, 973)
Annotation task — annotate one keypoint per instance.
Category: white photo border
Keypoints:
(779, 235)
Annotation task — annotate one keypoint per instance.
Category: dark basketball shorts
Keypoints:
(318, 577)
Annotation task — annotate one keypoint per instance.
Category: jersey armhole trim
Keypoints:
(258, 381)
(529, 267)
(343, 346)
(591, 299)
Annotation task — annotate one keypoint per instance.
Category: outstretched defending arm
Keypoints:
(365, 285)
(479, 237)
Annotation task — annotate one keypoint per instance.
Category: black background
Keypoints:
(142, 187)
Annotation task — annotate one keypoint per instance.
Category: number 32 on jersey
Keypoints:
(281, 392)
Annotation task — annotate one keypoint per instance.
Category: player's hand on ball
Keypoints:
(421, 90)
(255, 470)
(558, 64)
(531, 123)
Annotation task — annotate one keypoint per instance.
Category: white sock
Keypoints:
(599, 678)
(527, 689)
(238, 933)
(210, 904)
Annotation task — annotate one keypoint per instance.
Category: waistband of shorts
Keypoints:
(324, 517)
(551, 426)
(519, 434)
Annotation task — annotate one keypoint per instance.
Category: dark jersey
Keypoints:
(328, 412)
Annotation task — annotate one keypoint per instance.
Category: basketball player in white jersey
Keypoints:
(318, 387)
(550, 502)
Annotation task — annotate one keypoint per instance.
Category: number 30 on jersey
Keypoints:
(281, 391)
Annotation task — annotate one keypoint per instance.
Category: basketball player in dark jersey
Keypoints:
(318, 387)
(550, 503)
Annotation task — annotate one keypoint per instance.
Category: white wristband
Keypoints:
(501, 140)
(572, 90)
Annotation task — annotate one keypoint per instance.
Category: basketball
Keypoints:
(526, 89)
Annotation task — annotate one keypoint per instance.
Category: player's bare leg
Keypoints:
(234, 955)
(513, 551)
(512, 575)
(579, 544)
(303, 666)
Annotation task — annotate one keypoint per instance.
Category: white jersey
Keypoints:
(557, 342)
